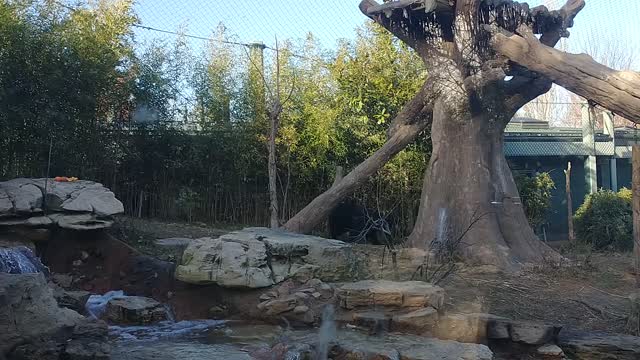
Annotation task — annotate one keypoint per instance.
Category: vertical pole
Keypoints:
(609, 129)
(636, 210)
(567, 175)
(588, 138)
(614, 173)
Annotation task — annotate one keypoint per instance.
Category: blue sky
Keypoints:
(262, 20)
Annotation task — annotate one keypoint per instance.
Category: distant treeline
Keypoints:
(179, 131)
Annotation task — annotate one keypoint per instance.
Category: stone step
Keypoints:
(397, 294)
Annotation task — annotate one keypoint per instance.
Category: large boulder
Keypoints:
(29, 311)
(78, 205)
(259, 257)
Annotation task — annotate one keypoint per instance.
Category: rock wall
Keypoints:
(260, 257)
(79, 205)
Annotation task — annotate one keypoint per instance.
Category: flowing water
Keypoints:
(327, 333)
(20, 260)
(189, 340)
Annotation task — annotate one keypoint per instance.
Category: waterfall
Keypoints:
(97, 303)
(20, 260)
(327, 333)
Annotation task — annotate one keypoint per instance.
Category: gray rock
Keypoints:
(87, 350)
(79, 221)
(174, 242)
(599, 346)
(280, 305)
(419, 320)
(136, 310)
(24, 195)
(37, 350)
(218, 312)
(35, 221)
(369, 293)
(74, 300)
(93, 199)
(376, 321)
(24, 198)
(6, 206)
(259, 257)
(28, 310)
(550, 350)
(355, 345)
(62, 280)
(533, 333)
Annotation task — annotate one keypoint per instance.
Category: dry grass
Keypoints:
(591, 294)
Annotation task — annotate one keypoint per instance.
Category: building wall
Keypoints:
(624, 173)
(557, 223)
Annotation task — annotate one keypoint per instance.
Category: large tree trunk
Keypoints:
(618, 91)
(468, 191)
(469, 194)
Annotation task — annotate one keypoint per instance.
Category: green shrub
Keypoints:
(604, 220)
(535, 194)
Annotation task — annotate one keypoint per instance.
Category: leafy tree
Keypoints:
(535, 193)
(605, 220)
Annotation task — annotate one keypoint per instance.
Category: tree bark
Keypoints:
(636, 210)
(469, 193)
(274, 221)
(567, 175)
(618, 91)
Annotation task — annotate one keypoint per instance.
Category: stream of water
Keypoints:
(20, 260)
(205, 339)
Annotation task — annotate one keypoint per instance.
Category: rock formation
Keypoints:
(41, 203)
(260, 257)
(33, 326)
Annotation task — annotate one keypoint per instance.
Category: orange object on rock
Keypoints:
(65, 179)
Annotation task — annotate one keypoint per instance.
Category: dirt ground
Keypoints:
(592, 294)
(142, 233)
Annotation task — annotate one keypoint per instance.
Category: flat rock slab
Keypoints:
(599, 346)
(134, 310)
(260, 257)
(174, 242)
(356, 345)
(402, 294)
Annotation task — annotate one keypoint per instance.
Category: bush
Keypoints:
(605, 220)
(535, 194)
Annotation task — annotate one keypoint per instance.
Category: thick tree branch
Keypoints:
(568, 12)
(318, 210)
(618, 91)
(524, 89)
